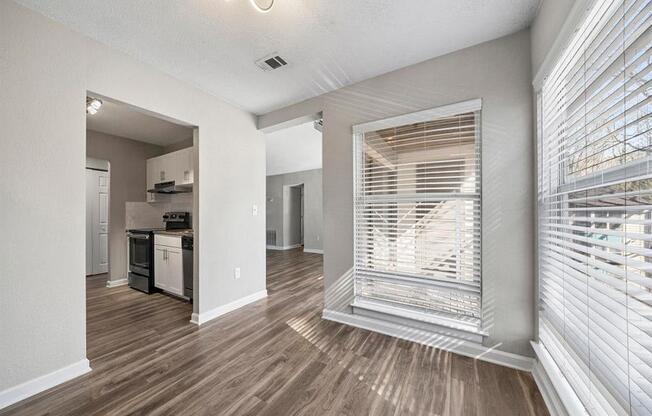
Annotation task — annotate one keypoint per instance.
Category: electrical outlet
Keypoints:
(254, 210)
(236, 273)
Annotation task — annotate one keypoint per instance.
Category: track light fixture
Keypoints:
(92, 105)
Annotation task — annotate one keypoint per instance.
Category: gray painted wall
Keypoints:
(128, 163)
(313, 217)
(42, 170)
(498, 72)
(545, 28)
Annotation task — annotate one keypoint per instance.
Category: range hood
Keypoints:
(170, 188)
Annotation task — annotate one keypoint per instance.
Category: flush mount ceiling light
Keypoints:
(263, 5)
(92, 105)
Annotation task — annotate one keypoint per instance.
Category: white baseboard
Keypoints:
(547, 390)
(202, 318)
(558, 394)
(458, 346)
(283, 247)
(313, 250)
(30, 388)
(116, 283)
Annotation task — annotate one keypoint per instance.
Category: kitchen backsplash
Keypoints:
(148, 215)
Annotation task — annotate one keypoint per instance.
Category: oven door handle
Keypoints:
(138, 236)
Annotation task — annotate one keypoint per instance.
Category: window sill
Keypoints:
(435, 323)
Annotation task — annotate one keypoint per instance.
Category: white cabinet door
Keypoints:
(186, 170)
(179, 166)
(160, 268)
(174, 272)
(168, 269)
(163, 173)
(174, 166)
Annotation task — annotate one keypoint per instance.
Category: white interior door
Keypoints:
(90, 192)
(97, 221)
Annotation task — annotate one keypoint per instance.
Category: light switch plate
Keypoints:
(254, 210)
(236, 273)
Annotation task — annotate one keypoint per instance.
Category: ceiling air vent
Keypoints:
(272, 61)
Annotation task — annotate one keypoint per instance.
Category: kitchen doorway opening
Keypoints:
(141, 200)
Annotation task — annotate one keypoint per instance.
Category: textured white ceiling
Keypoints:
(293, 149)
(124, 121)
(329, 43)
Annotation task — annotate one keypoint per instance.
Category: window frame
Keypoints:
(478, 333)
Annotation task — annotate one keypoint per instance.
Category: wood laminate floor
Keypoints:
(273, 357)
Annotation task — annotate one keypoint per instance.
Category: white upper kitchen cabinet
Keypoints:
(176, 166)
(185, 165)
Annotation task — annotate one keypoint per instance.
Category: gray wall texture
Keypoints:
(313, 217)
(545, 28)
(128, 163)
(498, 72)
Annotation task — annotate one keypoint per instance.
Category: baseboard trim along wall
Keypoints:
(202, 318)
(35, 386)
(283, 247)
(548, 392)
(116, 283)
(466, 348)
(551, 382)
(313, 250)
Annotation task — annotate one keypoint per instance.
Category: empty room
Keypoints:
(349, 207)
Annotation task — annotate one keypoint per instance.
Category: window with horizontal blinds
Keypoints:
(595, 210)
(417, 218)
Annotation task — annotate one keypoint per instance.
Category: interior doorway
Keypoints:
(97, 216)
(294, 216)
(141, 196)
(294, 202)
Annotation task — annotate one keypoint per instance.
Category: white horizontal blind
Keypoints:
(595, 210)
(417, 217)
